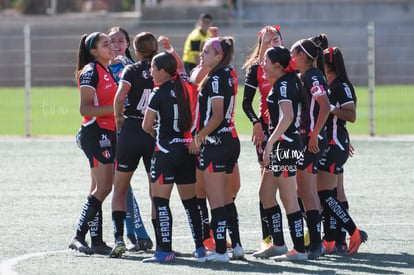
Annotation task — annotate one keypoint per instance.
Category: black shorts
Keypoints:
(176, 166)
(335, 156)
(133, 143)
(284, 157)
(309, 160)
(98, 144)
(220, 156)
(266, 135)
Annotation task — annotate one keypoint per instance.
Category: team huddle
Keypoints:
(178, 116)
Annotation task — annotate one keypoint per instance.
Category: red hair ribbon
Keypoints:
(330, 54)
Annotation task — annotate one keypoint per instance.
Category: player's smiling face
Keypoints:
(104, 51)
(119, 41)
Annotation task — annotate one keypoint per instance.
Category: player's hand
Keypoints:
(165, 42)
(213, 31)
(313, 146)
(257, 137)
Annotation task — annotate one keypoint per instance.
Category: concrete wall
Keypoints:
(55, 38)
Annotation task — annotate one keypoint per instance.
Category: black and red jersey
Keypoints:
(95, 76)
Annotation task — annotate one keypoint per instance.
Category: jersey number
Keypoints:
(143, 103)
(230, 109)
(175, 124)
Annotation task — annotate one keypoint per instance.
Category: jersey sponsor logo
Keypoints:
(146, 74)
(283, 89)
(106, 77)
(172, 93)
(347, 91)
(215, 84)
(122, 165)
(317, 91)
(180, 140)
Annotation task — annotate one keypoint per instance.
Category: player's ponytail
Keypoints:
(86, 44)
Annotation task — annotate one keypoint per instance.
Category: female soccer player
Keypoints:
(342, 108)
(137, 236)
(269, 36)
(217, 148)
(171, 163)
(281, 154)
(97, 87)
(313, 134)
(136, 85)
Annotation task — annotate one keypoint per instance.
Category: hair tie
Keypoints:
(330, 54)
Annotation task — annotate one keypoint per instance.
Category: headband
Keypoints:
(217, 45)
(91, 38)
(305, 51)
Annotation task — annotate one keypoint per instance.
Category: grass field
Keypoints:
(44, 182)
(55, 111)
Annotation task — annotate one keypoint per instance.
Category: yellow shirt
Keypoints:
(192, 45)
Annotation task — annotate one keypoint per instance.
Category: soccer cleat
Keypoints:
(329, 247)
(118, 249)
(217, 257)
(80, 245)
(271, 251)
(101, 249)
(341, 248)
(209, 244)
(161, 257)
(199, 253)
(266, 242)
(292, 256)
(132, 246)
(357, 239)
(315, 253)
(145, 244)
(238, 252)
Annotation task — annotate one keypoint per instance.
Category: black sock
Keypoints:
(264, 222)
(302, 208)
(157, 240)
(205, 223)
(313, 220)
(164, 223)
(194, 219)
(233, 224)
(218, 225)
(89, 210)
(340, 230)
(118, 220)
(274, 216)
(336, 210)
(295, 221)
(95, 228)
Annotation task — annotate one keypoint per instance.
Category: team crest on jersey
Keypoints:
(231, 81)
(172, 93)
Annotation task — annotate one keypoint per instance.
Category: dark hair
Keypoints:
(227, 46)
(311, 50)
(146, 44)
(168, 62)
(205, 16)
(86, 44)
(334, 62)
(281, 55)
(321, 40)
(119, 29)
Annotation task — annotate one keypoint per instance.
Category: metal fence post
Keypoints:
(371, 76)
(27, 76)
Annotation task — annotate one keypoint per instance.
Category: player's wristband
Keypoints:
(170, 50)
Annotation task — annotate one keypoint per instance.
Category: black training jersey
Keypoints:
(315, 85)
(339, 94)
(286, 88)
(139, 78)
(219, 85)
(169, 136)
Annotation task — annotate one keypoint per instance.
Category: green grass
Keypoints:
(55, 111)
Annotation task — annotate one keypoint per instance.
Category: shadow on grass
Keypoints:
(358, 263)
